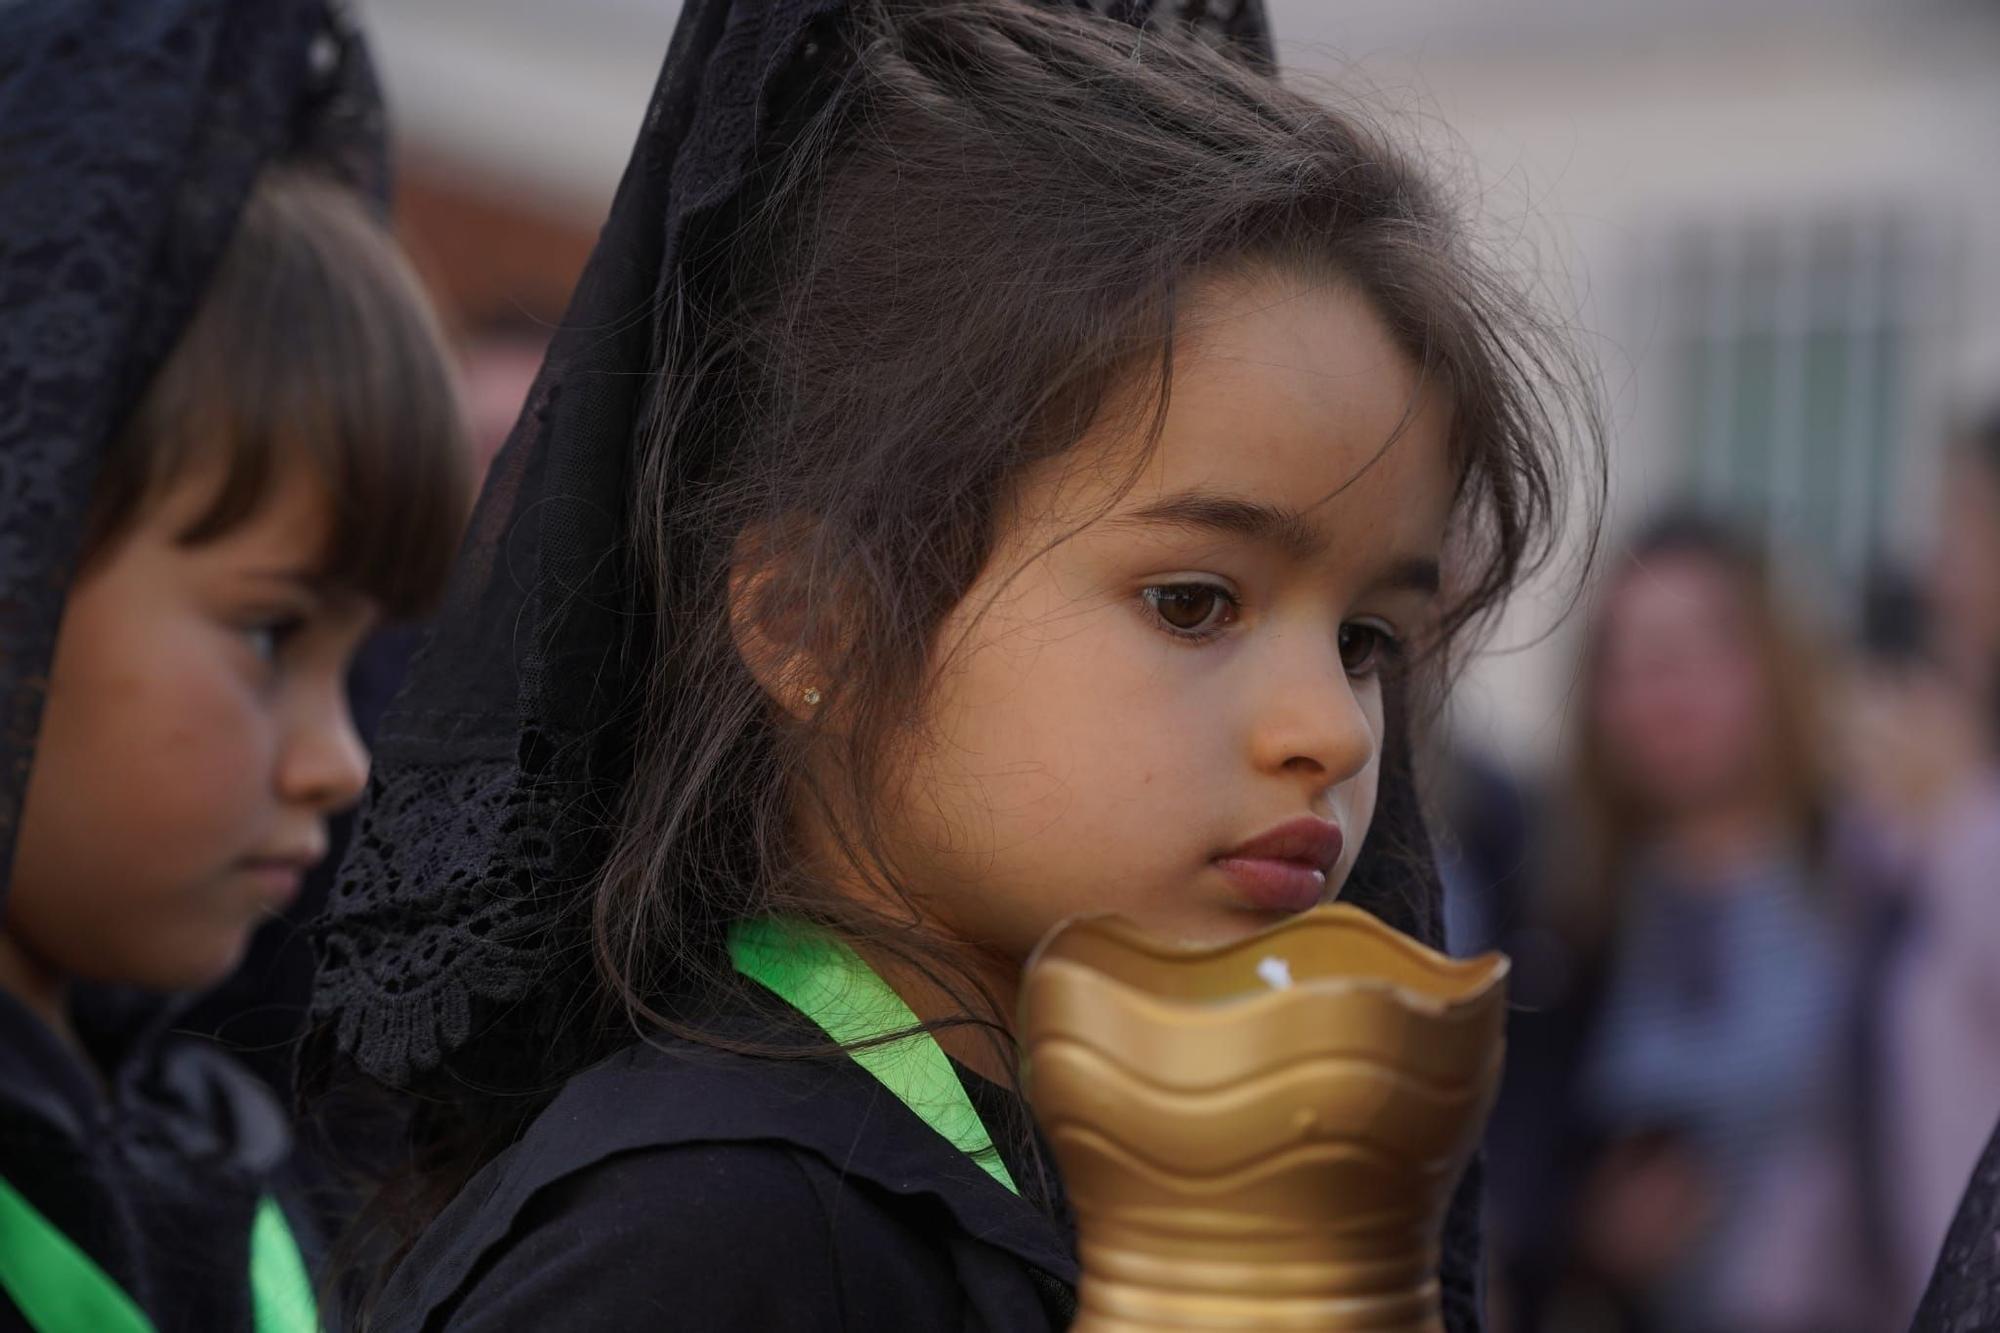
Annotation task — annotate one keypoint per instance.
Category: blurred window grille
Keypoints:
(1797, 341)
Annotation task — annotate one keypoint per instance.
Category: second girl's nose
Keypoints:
(324, 765)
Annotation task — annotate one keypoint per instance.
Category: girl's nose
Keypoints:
(324, 765)
(1311, 722)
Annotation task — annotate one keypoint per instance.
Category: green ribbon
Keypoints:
(281, 1291)
(822, 978)
(60, 1289)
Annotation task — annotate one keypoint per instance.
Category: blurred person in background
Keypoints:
(1694, 895)
(1926, 738)
(229, 442)
(1964, 1290)
(1966, 577)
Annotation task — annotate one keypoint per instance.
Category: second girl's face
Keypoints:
(195, 741)
(1166, 699)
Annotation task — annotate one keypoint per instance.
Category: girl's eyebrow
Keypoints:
(1286, 530)
(304, 579)
(1413, 573)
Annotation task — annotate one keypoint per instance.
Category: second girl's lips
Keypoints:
(279, 875)
(1285, 869)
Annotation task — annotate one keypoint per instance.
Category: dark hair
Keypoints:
(983, 234)
(1606, 823)
(948, 268)
(312, 343)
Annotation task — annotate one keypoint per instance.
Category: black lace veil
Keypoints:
(458, 927)
(130, 134)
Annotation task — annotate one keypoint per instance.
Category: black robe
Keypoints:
(153, 1157)
(678, 1186)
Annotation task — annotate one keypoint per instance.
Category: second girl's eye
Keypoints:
(1366, 649)
(1191, 610)
(267, 638)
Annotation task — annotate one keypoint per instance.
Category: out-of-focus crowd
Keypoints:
(1756, 932)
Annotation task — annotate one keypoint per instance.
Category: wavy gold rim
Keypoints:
(1116, 952)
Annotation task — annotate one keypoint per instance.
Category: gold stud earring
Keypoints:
(812, 696)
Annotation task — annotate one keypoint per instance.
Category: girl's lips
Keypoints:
(1285, 869)
(1274, 886)
(278, 878)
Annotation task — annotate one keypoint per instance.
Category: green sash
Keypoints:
(826, 981)
(60, 1289)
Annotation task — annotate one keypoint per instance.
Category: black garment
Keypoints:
(154, 1161)
(679, 1186)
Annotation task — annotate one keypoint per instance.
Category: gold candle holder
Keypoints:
(1264, 1134)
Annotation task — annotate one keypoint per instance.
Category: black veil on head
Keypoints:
(457, 939)
(131, 132)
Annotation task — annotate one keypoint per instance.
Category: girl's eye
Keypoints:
(1191, 610)
(267, 638)
(1366, 649)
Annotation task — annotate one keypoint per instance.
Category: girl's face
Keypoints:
(1683, 710)
(196, 737)
(1165, 699)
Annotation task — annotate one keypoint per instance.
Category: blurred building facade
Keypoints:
(1776, 222)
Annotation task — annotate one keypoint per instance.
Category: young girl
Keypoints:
(1048, 448)
(230, 445)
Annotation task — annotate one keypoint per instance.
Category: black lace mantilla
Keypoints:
(130, 133)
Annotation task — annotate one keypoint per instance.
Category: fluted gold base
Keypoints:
(1262, 1135)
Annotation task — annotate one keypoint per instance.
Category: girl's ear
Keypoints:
(771, 627)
